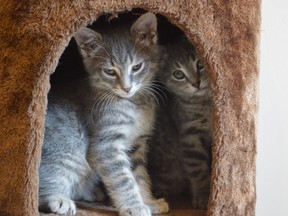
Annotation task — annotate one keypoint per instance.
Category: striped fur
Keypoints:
(103, 135)
(180, 149)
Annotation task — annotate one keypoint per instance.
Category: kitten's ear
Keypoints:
(88, 41)
(144, 30)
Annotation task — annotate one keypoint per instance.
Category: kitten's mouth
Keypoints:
(204, 88)
(127, 94)
(202, 91)
(123, 94)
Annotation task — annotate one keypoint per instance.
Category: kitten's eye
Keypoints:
(137, 67)
(110, 72)
(178, 74)
(199, 65)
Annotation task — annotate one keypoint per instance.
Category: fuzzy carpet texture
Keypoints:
(34, 34)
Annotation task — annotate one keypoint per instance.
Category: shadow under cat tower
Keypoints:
(33, 36)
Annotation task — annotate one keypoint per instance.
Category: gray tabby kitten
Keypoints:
(180, 149)
(102, 134)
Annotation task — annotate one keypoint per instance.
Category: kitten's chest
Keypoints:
(193, 114)
(143, 116)
(140, 116)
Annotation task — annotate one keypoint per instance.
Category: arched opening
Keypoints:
(71, 70)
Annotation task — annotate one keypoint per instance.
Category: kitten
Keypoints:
(104, 136)
(180, 149)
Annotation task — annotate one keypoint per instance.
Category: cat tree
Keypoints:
(34, 34)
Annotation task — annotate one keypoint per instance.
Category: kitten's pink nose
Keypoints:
(196, 85)
(127, 89)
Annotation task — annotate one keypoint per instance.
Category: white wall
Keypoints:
(272, 160)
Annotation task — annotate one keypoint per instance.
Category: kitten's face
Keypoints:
(121, 62)
(184, 74)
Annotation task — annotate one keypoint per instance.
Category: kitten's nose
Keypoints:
(196, 84)
(127, 89)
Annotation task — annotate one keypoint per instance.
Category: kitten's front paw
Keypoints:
(158, 206)
(161, 193)
(142, 210)
(200, 203)
(57, 204)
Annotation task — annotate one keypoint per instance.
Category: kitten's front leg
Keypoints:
(113, 165)
(196, 163)
(139, 164)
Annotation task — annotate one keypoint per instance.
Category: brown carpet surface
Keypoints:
(33, 35)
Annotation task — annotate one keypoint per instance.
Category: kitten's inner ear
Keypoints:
(88, 40)
(144, 30)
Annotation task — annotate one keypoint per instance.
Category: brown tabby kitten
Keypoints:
(180, 148)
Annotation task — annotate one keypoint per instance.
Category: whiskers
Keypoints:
(102, 103)
(153, 90)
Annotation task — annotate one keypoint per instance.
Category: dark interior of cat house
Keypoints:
(71, 68)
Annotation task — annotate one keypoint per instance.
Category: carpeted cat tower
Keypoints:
(34, 34)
